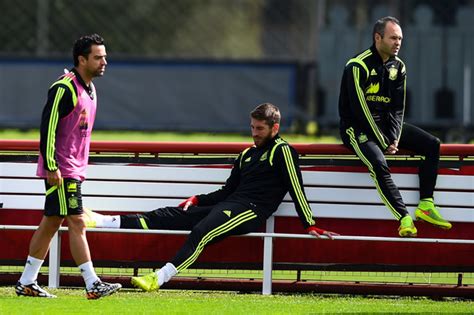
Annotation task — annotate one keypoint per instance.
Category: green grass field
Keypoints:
(73, 301)
(130, 301)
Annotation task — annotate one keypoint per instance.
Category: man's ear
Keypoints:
(82, 60)
(377, 37)
(275, 128)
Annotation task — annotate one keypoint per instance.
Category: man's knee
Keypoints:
(380, 166)
(435, 144)
(76, 224)
(50, 224)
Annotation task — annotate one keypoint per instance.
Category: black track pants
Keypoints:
(413, 139)
(208, 225)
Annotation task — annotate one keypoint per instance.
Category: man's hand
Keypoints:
(393, 148)
(318, 232)
(191, 201)
(54, 178)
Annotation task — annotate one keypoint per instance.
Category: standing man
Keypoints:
(260, 178)
(66, 125)
(371, 109)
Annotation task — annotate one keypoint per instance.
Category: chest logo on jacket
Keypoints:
(264, 156)
(373, 88)
(84, 123)
(392, 73)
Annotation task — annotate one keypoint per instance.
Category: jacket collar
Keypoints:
(377, 56)
(82, 83)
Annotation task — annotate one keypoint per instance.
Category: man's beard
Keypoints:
(262, 141)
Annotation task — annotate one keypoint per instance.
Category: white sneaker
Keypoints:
(101, 289)
(33, 290)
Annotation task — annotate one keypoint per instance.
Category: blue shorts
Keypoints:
(63, 200)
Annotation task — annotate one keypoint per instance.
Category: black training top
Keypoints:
(261, 177)
(372, 96)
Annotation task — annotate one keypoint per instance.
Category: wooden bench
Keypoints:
(135, 177)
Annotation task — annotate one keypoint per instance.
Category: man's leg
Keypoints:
(39, 246)
(167, 218)
(373, 157)
(41, 240)
(427, 145)
(80, 249)
(72, 202)
(224, 220)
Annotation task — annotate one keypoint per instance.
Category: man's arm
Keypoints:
(58, 105)
(397, 107)
(356, 74)
(286, 159)
(230, 185)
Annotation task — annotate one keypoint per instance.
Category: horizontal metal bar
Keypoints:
(261, 234)
(462, 150)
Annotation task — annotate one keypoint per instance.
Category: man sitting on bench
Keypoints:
(259, 180)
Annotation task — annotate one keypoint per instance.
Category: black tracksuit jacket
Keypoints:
(372, 97)
(261, 177)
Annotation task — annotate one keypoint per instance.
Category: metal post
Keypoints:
(268, 257)
(466, 120)
(42, 29)
(54, 261)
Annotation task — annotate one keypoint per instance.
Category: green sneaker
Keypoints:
(407, 228)
(428, 212)
(90, 218)
(147, 282)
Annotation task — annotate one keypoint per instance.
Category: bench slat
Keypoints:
(219, 175)
(348, 211)
(184, 190)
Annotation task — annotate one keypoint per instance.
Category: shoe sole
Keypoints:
(95, 296)
(22, 293)
(422, 217)
(37, 296)
(408, 234)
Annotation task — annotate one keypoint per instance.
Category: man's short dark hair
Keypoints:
(82, 46)
(379, 26)
(267, 112)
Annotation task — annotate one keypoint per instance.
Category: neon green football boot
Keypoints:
(428, 212)
(407, 227)
(147, 282)
(89, 218)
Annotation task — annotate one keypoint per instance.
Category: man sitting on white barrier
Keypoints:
(371, 108)
(260, 178)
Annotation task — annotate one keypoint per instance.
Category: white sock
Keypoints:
(88, 273)
(167, 272)
(30, 273)
(107, 221)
